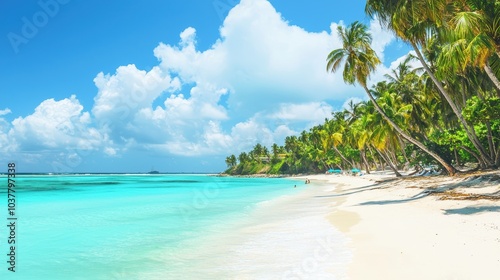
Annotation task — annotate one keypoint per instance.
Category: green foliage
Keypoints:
(277, 167)
(456, 116)
(482, 111)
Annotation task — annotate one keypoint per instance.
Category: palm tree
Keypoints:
(360, 60)
(243, 158)
(275, 151)
(476, 26)
(231, 161)
(358, 132)
(415, 22)
(265, 153)
(334, 134)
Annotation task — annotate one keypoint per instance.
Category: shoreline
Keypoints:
(288, 237)
(436, 227)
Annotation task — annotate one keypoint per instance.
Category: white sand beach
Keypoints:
(418, 228)
(289, 237)
(365, 227)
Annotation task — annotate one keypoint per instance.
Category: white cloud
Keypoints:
(261, 59)
(354, 100)
(110, 151)
(382, 70)
(247, 134)
(272, 74)
(188, 37)
(312, 111)
(212, 141)
(262, 80)
(6, 144)
(129, 90)
(381, 38)
(414, 63)
(5, 111)
(281, 132)
(55, 125)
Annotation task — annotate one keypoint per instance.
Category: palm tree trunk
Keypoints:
(403, 150)
(457, 159)
(490, 139)
(388, 161)
(480, 162)
(471, 133)
(497, 160)
(365, 162)
(392, 161)
(489, 134)
(391, 154)
(493, 78)
(380, 160)
(464, 94)
(342, 156)
(376, 160)
(324, 164)
(449, 168)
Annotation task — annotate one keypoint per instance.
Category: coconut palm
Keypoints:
(231, 161)
(358, 132)
(415, 22)
(333, 137)
(476, 26)
(359, 60)
(243, 158)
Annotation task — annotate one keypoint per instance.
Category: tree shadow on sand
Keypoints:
(374, 186)
(396, 201)
(441, 189)
(471, 210)
(353, 191)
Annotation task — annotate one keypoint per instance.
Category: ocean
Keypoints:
(124, 226)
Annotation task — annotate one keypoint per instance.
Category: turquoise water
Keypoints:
(123, 226)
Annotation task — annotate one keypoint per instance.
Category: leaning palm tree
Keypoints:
(477, 26)
(416, 22)
(359, 60)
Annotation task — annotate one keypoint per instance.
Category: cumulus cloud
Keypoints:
(379, 75)
(381, 38)
(270, 73)
(5, 142)
(55, 125)
(5, 111)
(414, 63)
(110, 151)
(312, 111)
(260, 55)
(349, 101)
(262, 80)
(121, 95)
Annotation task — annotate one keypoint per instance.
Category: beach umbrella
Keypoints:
(355, 170)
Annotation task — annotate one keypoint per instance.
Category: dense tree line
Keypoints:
(446, 112)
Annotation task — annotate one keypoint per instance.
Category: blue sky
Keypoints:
(127, 86)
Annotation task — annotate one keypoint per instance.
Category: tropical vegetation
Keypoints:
(445, 113)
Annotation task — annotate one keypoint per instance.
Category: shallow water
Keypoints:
(122, 227)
